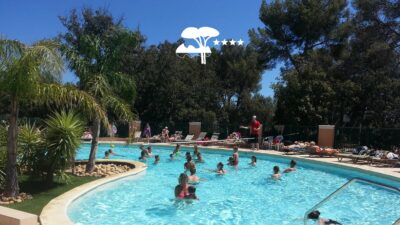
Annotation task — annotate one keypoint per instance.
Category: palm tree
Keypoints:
(31, 74)
(63, 137)
(95, 46)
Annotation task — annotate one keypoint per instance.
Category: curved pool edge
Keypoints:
(55, 212)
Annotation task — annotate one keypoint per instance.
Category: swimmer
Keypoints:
(189, 164)
(199, 158)
(220, 168)
(235, 156)
(314, 215)
(110, 151)
(171, 157)
(253, 161)
(156, 159)
(230, 161)
(192, 193)
(106, 155)
(193, 178)
(181, 190)
(176, 151)
(149, 151)
(276, 175)
(196, 151)
(187, 155)
(143, 156)
(292, 167)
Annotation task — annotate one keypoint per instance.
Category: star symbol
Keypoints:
(240, 42)
(232, 42)
(216, 42)
(224, 42)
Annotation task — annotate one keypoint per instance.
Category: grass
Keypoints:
(42, 194)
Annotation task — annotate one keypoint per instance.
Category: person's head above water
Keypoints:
(314, 215)
(293, 163)
(192, 171)
(187, 154)
(183, 179)
(276, 169)
(157, 157)
(192, 189)
(110, 150)
(220, 166)
(189, 158)
(171, 156)
(254, 158)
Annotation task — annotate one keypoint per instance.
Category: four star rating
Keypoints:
(231, 42)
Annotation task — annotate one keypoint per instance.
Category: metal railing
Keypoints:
(344, 186)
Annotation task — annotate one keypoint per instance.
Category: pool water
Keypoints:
(245, 195)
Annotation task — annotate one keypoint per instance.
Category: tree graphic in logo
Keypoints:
(201, 36)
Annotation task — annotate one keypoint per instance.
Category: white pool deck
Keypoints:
(55, 212)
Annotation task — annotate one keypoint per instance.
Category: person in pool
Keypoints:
(235, 156)
(314, 215)
(187, 155)
(149, 151)
(253, 161)
(111, 152)
(189, 164)
(230, 161)
(143, 156)
(176, 151)
(171, 157)
(199, 158)
(292, 167)
(106, 155)
(220, 168)
(156, 159)
(193, 178)
(196, 151)
(192, 193)
(276, 175)
(182, 189)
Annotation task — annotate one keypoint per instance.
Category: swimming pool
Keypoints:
(243, 196)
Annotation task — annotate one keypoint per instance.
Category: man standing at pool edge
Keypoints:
(255, 126)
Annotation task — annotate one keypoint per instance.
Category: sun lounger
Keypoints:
(389, 162)
(189, 137)
(201, 136)
(354, 158)
(268, 141)
(137, 135)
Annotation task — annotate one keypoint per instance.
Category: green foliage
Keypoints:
(30, 141)
(62, 134)
(337, 65)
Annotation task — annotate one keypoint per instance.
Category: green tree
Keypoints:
(95, 45)
(30, 74)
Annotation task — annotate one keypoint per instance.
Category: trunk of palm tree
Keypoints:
(93, 148)
(12, 187)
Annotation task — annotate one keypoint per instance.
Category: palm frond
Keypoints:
(119, 107)
(72, 97)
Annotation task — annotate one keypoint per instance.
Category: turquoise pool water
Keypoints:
(243, 196)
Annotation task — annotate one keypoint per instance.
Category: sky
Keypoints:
(158, 20)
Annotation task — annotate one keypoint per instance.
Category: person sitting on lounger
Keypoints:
(391, 155)
(165, 134)
(276, 175)
(253, 161)
(292, 167)
(314, 215)
(156, 159)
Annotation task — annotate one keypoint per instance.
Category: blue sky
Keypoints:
(158, 20)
